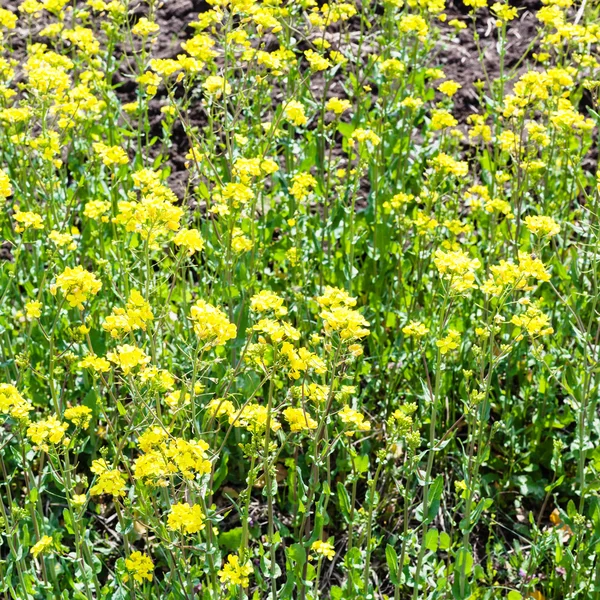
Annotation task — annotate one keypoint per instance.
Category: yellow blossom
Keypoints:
(338, 105)
(140, 566)
(13, 404)
(128, 357)
(294, 112)
(233, 573)
(299, 419)
(211, 324)
(325, 549)
(185, 518)
(42, 546)
(33, 309)
(111, 155)
(79, 416)
(354, 420)
(542, 225)
(49, 430)
(145, 27)
(450, 342)
(77, 285)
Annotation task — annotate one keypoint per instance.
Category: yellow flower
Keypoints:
(415, 329)
(265, 301)
(449, 88)
(47, 430)
(185, 518)
(457, 267)
(128, 357)
(110, 481)
(334, 296)
(144, 27)
(96, 363)
(361, 136)
(350, 324)
(211, 324)
(79, 415)
(27, 220)
(414, 24)
(541, 225)
(302, 185)
(450, 342)
(140, 566)
(5, 187)
(449, 165)
(325, 549)
(478, 128)
(299, 420)
(254, 417)
(62, 239)
(33, 309)
(277, 330)
(110, 155)
(294, 113)
(302, 360)
(234, 573)
(354, 420)
(155, 214)
(42, 546)
(190, 239)
(219, 407)
(240, 242)
(150, 81)
(316, 61)
(412, 103)
(440, 119)
(135, 315)
(237, 194)
(338, 105)
(77, 285)
(8, 19)
(97, 209)
(79, 500)
(504, 12)
(200, 47)
(12, 403)
(216, 86)
(534, 321)
(392, 67)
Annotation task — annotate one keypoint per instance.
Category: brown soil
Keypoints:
(461, 57)
(458, 55)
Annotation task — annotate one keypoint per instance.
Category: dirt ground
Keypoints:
(457, 54)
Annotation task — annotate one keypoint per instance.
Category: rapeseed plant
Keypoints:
(293, 307)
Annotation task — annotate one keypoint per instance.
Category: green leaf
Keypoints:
(482, 506)
(464, 561)
(68, 522)
(336, 593)
(297, 553)
(435, 495)
(232, 539)
(431, 540)
(121, 408)
(444, 541)
(391, 557)
(362, 463)
(221, 472)
(343, 499)
(513, 595)
(345, 129)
